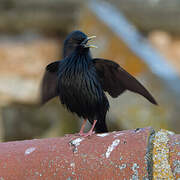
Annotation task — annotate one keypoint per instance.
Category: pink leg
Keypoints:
(81, 132)
(90, 131)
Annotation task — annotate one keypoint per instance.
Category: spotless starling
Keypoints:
(81, 80)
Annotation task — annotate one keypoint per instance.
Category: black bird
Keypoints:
(80, 82)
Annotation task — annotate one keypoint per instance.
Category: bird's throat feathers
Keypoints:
(80, 50)
(78, 62)
(80, 56)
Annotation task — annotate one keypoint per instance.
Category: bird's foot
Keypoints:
(90, 133)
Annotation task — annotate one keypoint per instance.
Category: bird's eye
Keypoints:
(74, 41)
(79, 41)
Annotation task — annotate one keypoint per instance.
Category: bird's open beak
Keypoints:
(87, 40)
(91, 37)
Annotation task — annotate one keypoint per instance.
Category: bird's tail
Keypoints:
(101, 127)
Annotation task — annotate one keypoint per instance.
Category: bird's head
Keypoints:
(76, 39)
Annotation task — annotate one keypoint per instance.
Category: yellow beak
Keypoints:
(91, 37)
(89, 45)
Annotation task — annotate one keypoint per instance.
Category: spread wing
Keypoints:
(49, 82)
(115, 80)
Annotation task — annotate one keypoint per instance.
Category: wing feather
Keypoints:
(115, 80)
(49, 82)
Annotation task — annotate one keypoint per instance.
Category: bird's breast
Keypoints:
(79, 88)
(80, 81)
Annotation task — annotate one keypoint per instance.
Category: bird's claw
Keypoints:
(90, 133)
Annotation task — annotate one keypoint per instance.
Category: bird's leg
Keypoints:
(90, 131)
(81, 132)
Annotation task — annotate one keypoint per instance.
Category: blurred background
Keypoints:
(142, 36)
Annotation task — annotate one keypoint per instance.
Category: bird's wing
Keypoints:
(49, 82)
(115, 80)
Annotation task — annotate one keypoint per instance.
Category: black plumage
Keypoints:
(80, 82)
